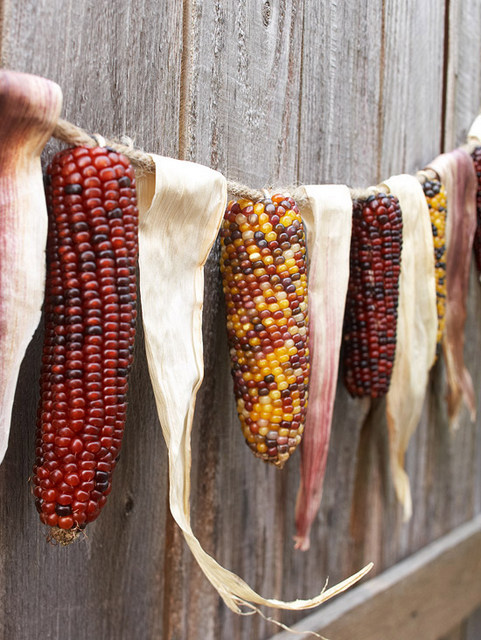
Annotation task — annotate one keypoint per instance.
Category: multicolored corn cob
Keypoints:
(89, 332)
(264, 276)
(372, 298)
(436, 198)
(476, 155)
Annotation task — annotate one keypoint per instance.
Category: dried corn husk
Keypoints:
(29, 109)
(456, 171)
(416, 329)
(328, 220)
(181, 208)
(474, 133)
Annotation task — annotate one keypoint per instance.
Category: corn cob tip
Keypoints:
(63, 537)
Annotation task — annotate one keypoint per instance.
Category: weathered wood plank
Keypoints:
(411, 100)
(463, 73)
(241, 116)
(473, 626)
(423, 596)
(111, 584)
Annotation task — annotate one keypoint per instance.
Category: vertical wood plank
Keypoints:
(118, 65)
(463, 78)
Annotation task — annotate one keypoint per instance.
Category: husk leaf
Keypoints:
(29, 108)
(328, 220)
(474, 133)
(456, 171)
(181, 209)
(416, 329)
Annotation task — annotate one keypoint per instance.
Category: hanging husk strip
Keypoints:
(29, 108)
(416, 329)
(456, 171)
(327, 217)
(474, 134)
(181, 209)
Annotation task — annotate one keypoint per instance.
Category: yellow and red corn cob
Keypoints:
(436, 198)
(264, 277)
(90, 312)
(372, 299)
(476, 155)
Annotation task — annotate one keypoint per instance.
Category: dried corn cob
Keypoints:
(372, 298)
(476, 155)
(89, 332)
(265, 286)
(436, 199)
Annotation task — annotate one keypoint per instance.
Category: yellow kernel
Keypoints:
(254, 341)
(254, 416)
(268, 260)
(282, 385)
(271, 356)
(284, 433)
(275, 394)
(277, 371)
(261, 448)
(252, 249)
(291, 379)
(254, 256)
(258, 377)
(288, 417)
(258, 208)
(271, 236)
(284, 304)
(264, 400)
(267, 322)
(282, 321)
(286, 221)
(277, 412)
(263, 431)
(266, 227)
(273, 307)
(263, 218)
(276, 419)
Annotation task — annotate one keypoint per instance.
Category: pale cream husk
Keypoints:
(416, 329)
(327, 217)
(30, 108)
(181, 209)
(474, 133)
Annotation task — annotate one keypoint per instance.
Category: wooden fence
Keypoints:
(269, 92)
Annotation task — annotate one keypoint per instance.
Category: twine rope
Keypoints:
(73, 135)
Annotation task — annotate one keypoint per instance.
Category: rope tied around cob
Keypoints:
(90, 313)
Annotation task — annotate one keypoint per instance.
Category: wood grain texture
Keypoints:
(424, 596)
(96, 53)
(268, 92)
(463, 72)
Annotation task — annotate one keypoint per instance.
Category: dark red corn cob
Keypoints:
(476, 155)
(372, 299)
(89, 332)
